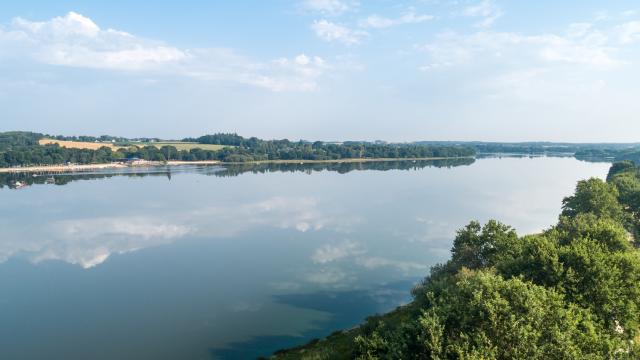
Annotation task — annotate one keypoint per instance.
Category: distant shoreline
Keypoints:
(88, 167)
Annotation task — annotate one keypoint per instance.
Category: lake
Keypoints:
(234, 263)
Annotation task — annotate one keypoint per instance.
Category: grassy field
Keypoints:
(77, 144)
(96, 145)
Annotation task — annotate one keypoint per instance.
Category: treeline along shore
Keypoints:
(22, 150)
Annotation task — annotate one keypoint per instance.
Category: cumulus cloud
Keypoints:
(329, 31)
(379, 22)
(74, 40)
(487, 10)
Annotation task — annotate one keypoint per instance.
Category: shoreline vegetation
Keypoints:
(145, 163)
(571, 291)
(27, 149)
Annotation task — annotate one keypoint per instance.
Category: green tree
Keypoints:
(478, 246)
(593, 196)
(480, 315)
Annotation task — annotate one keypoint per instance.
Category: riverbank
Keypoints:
(142, 163)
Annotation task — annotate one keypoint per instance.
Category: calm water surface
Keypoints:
(211, 263)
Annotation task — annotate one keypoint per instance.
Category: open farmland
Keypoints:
(96, 145)
(78, 144)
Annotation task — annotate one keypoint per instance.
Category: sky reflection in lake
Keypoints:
(205, 264)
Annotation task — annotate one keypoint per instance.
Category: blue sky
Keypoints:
(323, 69)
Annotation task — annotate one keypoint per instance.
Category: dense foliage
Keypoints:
(254, 149)
(570, 292)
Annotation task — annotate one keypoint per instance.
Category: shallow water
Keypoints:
(233, 263)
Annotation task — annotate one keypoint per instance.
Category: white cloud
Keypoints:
(74, 40)
(485, 9)
(141, 227)
(580, 45)
(329, 32)
(379, 22)
(629, 32)
(71, 24)
(328, 7)
(89, 242)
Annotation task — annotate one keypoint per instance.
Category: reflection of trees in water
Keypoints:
(17, 180)
(342, 168)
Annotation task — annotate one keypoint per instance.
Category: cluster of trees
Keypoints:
(224, 139)
(254, 149)
(22, 149)
(85, 138)
(569, 292)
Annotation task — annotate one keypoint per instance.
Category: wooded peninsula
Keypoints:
(570, 292)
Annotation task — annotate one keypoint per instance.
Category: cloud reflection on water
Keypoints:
(89, 242)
